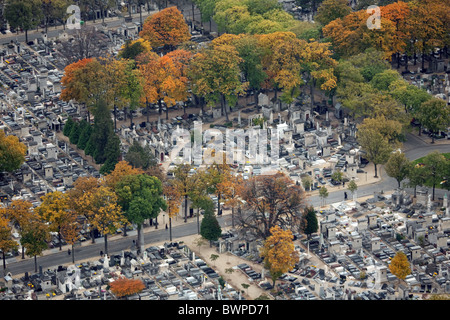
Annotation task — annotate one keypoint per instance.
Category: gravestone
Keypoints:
(263, 100)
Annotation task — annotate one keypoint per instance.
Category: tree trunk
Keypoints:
(170, 229)
(106, 243)
(35, 263)
(4, 264)
(115, 117)
(131, 118)
(232, 216)
(185, 208)
(376, 173)
(218, 205)
(198, 220)
(73, 254)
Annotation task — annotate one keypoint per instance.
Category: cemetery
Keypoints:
(347, 259)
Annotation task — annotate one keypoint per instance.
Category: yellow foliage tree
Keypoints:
(399, 265)
(279, 252)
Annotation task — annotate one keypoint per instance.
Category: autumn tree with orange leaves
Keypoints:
(166, 28)
(124, 287)
(173, 199)
(164, 78)
(271, 200)
(279, 252)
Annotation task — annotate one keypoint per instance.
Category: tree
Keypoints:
(337, 176)
(112, 154)
(435, 166)
(132, 48)
(164, 78)
(68, 126)
(198, 194)
(85, 135)
(230, 189)
(121, 170)
(377, 137)
(102, 133)
(350, 35)
(54, 209)
(107, 216)
(279, 252)
(330, 10)
(140, 157)
(307, 182)
(12, 152)
(124, 287)
(210, 228)
(35, 239)
(312, 224)
(172, 197)
(184, 182)
(23, 14)
(140, 197)
(397, 166)
(53, 10)
(323, 194)
(75, 133)
(416, 175)
(84, 43)
(434, 114)
(352, 187)
(79, 201)
(7, 243)
(20, 213)
(270, 201)
(399, 265)
(214, 74)
(166, 29)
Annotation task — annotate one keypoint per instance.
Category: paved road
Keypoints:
(415, 147)
(115, 246)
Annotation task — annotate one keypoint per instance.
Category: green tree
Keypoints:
(140, 157)
(75, 133)
(435, 166)
(68, 126)
(112, 153)
(323, 194)
(84, 136)
(352, 187)
(140, 197)
(312, 224)
(210, 228)
(434, 115)
(397, 166)
(330, 10)
(23, 14)
(35, 238)
(307, 182)
(416, 175)
(102, 130)
(337, 175)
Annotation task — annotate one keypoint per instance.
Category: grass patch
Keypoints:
(446, 155)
